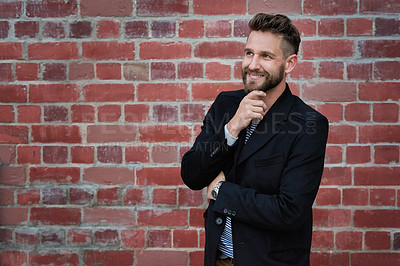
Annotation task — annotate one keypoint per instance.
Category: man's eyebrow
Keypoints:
(261, 52)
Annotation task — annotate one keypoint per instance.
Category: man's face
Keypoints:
(263, 66)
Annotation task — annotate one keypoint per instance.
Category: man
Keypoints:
(260, 154)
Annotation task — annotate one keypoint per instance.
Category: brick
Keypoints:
(164, 50)
(358, 154)
(159, 238)
(396, 241)
(55, 216)
(109, 175)
(164, 196)
(331, 27)
(51, 50)
(12, 175)
(330, 258)
(108, 257)
(379, 91)
(188, 197)
(328, 196)
(219, 28)
(100, 50)
(134, 238)
(306, 27)
(383, 197)
(196, 258)
(108, 29)
(218, 71)
(13, 215)
(241, 28)
(386, 154)
(379, 48)
(79, 237)
(219, 49)
(349, 240)
(28, 29)
(29, 154)
(108, 71)
(54, 175)
(10, 51)
(163, 29)
(6, 114)
(109, 154)
(164, 133)
(111, 133)
(162, 92)
(161, 176)
(376, 240)
(55, 114)
(342, 134)
(196, 218)
(185, 238)
(109, 216)
(331, 70)
(54, 196)
(7, 154)
(373, 133)
(224, 7)
(192, 112)
(376, 218)
(165, 113)
(51, 8)
(82, 113)
(189, 70)
(54, 258)
(158, 257)
(368, 176)
(27, 71)
(53, 29)
(336, 176)
(355, 196)
(332, 217)
(109, 113)
(109, 92)
(359, 26)
(106, 237)
(11, 9)
(162, 217)
(136, 29)
(13, 93)
(55, 154)
(108, 196)
(80, 29)
(385, 70)
(330, 91)
(161, 9)
(333, 111)
(317, 7)
(4, 29)
(13, 134)
(28, 196)
(137, 154)
(62, 133)
(208, 91)
(191, 28)
(29, 114)
(39, 93)
(323, 49)
(135, 196)
(322, 239)
(385, 112)
(357, 112)
(373, 7)
(6, 196)
(136, 71)
(81, 71)
(162, 70)
(79, 196)
(136, 113)
(359, 71)
(105, 8)
(303, 70)
(13, 257)
(26, 237)
(6, 73)
(164, 154)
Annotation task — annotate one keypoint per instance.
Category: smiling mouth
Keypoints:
(255, 76)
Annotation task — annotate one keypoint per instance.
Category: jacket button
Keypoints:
(219, 221)
(229, 212)
(233, 213)
(225, 211)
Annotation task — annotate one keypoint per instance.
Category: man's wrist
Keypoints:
(231, 129)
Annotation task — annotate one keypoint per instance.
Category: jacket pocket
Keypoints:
(270, 160)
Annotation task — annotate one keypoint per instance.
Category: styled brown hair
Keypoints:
(280, 25)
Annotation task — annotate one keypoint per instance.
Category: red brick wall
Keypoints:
(101, 98)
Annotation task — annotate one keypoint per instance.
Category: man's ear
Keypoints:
(290, 63)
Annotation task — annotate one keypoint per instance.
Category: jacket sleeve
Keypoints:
(210, 152)
(290, 207)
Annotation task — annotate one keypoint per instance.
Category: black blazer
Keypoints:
(272, 181)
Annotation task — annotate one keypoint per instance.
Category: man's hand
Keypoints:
(252, 106)
(220, 177)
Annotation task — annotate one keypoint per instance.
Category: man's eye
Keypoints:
(267, 56)
(249, 53)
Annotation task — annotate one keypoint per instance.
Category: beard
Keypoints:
(270, 82)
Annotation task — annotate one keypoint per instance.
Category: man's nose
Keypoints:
(255, 63)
